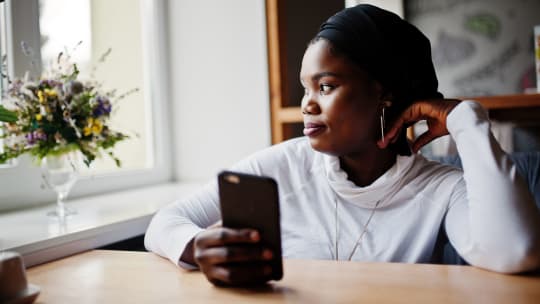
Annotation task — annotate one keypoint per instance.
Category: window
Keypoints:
(134, 30)
(94, 28)
(3, 81)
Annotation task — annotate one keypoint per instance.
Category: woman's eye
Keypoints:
(325, 88)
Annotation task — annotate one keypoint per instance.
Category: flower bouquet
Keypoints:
(57, 120)
(58, 114)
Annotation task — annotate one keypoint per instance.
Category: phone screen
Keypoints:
(249, 201)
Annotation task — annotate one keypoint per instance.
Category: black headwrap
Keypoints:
(389, 49)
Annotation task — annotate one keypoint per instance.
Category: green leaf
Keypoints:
(7, 115)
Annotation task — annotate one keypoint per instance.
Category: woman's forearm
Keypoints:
(495, 224)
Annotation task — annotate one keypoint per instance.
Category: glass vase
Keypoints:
(60, 172)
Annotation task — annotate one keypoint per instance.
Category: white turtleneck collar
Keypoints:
(367, 197)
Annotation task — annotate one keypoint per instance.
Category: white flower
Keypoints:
(15, 141)
(10, 103)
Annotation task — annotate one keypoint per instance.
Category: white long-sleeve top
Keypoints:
(489, 215)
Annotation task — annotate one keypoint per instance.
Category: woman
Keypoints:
(348, 191)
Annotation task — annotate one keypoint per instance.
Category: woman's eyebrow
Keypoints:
(320, 75)
(323, 74)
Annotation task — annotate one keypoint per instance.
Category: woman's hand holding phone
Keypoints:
(232, 257)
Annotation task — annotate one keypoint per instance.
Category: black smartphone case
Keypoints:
(249, 201)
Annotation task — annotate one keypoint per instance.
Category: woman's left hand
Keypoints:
(433, 111)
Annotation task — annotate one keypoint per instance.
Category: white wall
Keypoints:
(219, 80)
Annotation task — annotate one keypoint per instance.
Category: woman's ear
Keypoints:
(381, 92)
(386, 104)
(386, 95)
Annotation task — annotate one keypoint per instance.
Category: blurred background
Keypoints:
(218, 80)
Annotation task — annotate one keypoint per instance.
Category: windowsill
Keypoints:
(100, 220)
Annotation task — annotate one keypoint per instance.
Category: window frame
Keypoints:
(21, 184)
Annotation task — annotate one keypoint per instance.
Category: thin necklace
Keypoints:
(360, 237)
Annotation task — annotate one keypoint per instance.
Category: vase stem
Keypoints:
(61, 210)
(60, 206)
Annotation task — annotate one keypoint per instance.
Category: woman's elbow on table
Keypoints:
(516, 258)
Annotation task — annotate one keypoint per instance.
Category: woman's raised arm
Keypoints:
(492, 220)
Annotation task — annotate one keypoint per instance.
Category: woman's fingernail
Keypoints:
(267, 254)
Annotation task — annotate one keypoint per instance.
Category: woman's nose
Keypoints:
(310, 106)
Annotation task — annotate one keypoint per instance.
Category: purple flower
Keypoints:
(43, 83)
(103, 106)
(15, 87)
(35, 136)
(49, 83)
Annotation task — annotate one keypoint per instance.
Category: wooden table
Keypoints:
(102, 276)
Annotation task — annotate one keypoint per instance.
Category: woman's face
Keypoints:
(341, 106)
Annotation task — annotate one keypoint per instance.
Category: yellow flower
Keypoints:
(97, 127)
(39, 117)
(87, 131)
(93, 126)
(51, 93)
(41, 97)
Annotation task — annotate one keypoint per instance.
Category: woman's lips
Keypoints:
(313, 129)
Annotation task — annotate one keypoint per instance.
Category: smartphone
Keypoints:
(250, 201)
